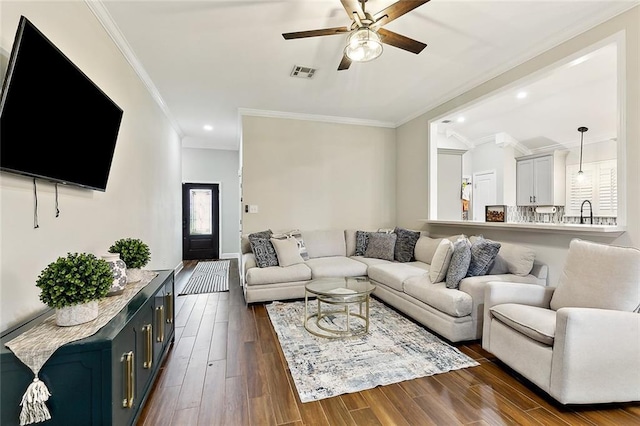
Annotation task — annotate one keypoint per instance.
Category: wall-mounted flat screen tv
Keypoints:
(55, 123)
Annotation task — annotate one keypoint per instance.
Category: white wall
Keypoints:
(449, 191)
(218, 166)
(142, 199)
(413, 147)
(315, 175)
(509, 176)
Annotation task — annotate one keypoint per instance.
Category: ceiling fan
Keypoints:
(366, 32)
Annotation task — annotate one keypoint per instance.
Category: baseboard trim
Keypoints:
(234, 256)
(230, 256)
(178, 268)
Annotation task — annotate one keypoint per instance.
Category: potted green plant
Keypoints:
(72, 285)
(134, 253)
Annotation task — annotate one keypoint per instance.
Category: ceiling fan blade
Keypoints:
(395, 11)
(345, 63)
(353, 7)
(400, 41)
(316, 33)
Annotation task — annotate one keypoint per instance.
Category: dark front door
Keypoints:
(200, 223)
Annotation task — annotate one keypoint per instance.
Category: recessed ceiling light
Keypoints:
(460, 119)
(208, 127)
(521, 95)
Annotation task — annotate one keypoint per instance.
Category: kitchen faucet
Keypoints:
(590, 212)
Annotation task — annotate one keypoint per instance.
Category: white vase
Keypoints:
(119, 271)
(77, 314)
(134, 275)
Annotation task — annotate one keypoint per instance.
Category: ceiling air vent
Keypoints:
(302, 72)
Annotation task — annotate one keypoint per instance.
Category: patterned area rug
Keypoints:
(208, 277)
(394, 350)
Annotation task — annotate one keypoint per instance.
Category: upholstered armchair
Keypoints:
(579, 341)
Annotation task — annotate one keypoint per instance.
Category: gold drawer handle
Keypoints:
(169, 303)
(160, 323)
(148, 329)
(129, 379)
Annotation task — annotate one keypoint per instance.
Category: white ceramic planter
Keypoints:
(134, 275)
(77, 314)
(119, 271)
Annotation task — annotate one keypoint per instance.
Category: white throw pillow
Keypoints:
(440, 261)
(294, 233)
(287, 251)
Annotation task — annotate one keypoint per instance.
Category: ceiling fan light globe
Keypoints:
(355, 54)
(363, 45)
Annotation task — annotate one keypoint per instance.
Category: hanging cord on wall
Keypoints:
(35, 207)
(57, 209)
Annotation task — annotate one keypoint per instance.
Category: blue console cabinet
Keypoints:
(103, 379)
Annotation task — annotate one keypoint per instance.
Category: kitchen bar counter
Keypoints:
(566, 228)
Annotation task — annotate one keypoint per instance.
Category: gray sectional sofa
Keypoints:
(455, 314)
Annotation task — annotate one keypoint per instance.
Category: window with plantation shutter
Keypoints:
(598, 186)
(607, 189)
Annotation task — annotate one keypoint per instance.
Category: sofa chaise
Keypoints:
(454, 313)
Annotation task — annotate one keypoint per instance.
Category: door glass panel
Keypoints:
(200, 212)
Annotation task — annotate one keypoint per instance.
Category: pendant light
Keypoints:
(580, 176)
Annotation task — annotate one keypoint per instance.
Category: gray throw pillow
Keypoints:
(361, 242)
(362, 239)
(483, 254)
(381, 246)
(405, 244)
(263, 249)
(262, 234)
(459, 263)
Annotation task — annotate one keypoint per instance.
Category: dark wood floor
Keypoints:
(226, 368)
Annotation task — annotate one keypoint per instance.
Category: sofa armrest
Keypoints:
(499, 292)
(596, 355)
(540, 271)
(248, 262)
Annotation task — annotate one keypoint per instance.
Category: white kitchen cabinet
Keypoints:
(540, 179)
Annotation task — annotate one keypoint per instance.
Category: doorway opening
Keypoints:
(484, 193)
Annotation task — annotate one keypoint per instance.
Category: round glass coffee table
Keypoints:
(343, 293)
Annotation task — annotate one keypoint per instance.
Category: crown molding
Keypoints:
(453, 134)
(505, 139)
(484, 139)
(313, 117)
(104, 17)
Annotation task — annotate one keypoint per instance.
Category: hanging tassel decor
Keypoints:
(34, 409)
